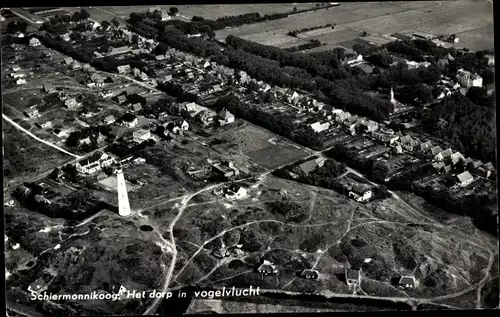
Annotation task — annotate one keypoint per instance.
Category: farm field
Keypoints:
(260, 146)
(469, 18)
(277, 38)
(214, 11)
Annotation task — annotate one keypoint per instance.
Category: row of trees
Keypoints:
(295, 32)
(312, 44)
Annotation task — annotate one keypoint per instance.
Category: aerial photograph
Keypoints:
(249, 158)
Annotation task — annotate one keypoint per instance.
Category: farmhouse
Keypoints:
(38, 286)
(267, 268)
(17, 75)
(20, 81)
(407, 282)
(94, 163)
(141, 135)
(309, 274)
(128, 120)
(353, 277)
(349, 60)
(464, 179)
(360, 193)
(225, 117)
(136, 107)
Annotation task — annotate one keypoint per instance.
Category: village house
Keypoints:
(20, 81)
(443, 155)
(320, 127)
(128, 120)
(68, 60)
(109, 119)
(464, 178)
(235, 192)
(97, 79)
(309, 274)
(467, 79)
(368, 125)
(205, 117)
(491, 59)
(141, 135)
(386, 138)
(123, 69)
(352, 59)
(42, 200)
(353, 277)
(435, 150)
(32, 113)
(75, 65)
(456, 157)
(94, 163)
(45, 125)
(225, 117)
(38, 286)
(34, 42)
(360, 193)
(136, 107)
(118, 50)
(267, 268)
(71, 103)
(48, 88)
(426, 146)
(407, 282)
(106, 94)
(121, 99)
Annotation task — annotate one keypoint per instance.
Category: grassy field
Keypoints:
(277, 38)
(471, 21)
(400, 239)
(255, 143)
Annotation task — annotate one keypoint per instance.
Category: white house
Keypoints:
(360, 193)
(235, 192)
(20, 81)
(128, 120)
(441, 156)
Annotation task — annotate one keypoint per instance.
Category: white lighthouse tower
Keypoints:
(123, 204)
(393, 100)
